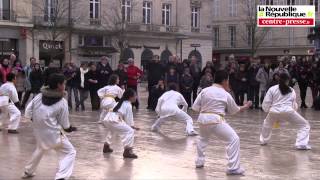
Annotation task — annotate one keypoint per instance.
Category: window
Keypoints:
(290, 2)
(216, 36)
(166, 14)
(195, 16)
(126, 10)
(216, 8)
(232, 36)
(93, 41)
(249, 35)
(50, 10)
(94, 9)
(232, 8)
(5, 10)
(146, 12)
(315, 3)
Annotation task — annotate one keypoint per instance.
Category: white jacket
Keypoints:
(275, 102)
(107, 94)
(169, 102)
(8, 89)
(124, 113)
(48, 121)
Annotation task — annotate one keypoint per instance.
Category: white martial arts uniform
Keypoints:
(48, 122)
(283, 107)
(213, 103)
(8, 89)
(168, 107)
(108, 95)
(121, 123)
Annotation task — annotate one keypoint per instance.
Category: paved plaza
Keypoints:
(169, 155)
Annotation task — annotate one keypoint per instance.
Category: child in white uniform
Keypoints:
(280, 103)
(108, 95)
(168, 108)
(214, 103)
(50, 118)
(9, 97)
(120, 121)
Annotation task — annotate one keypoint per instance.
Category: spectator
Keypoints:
(35, 81)
(50, 70)
(20, 79)
(70, 73)
(156, 93)
(253, 91)
(92, 80)
(209, 66)
(172, 77)
(293, 71)
(263, 78)
(232, 70)
(281, 68)
(171, 63)
(179, 65)
(315, 81)
(206, 81)
(186, 84)
(83, 84)
(304, 76)
(27, 70)
(195, 73)
(216, 64)
(134, 74)
(275, 80)
(13, 59)
(5, 69)
(242, 84)
(104, 70)
(155, 72)
(123, 77)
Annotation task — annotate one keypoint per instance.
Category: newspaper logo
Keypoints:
(285, 16)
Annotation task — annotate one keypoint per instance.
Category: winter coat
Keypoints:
(263, 78)
(36, 81)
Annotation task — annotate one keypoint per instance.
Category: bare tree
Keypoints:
(116, 21)
(254, 36)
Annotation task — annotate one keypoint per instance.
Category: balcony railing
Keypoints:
(195, 29)
(151, 28)
(95, 22)
(48, 21)
(7, 15)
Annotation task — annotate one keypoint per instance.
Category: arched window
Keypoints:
(164, 57)
(126, 54)
(146, 56)
(197, 54)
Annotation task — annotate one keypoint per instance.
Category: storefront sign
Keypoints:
(51, 46)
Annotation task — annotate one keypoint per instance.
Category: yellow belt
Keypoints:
(221, 118)
(221, 115)
(109, 96)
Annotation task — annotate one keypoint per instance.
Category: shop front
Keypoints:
(7, 47)
(51, 51)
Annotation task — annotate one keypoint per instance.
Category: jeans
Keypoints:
(83, 97)
(76, 96)
(253, 95)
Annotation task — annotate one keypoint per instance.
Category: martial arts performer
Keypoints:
(50, 119)
(168, 108)
(108, 95)
(280, 103)
(8, 101)
(119, 121)
(214, 103)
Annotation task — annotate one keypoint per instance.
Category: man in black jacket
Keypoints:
(253, 91)
(104, 71)
(155, 72)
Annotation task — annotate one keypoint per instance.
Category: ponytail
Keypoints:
(284, 84)
(126, 96)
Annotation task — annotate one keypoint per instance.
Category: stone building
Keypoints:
(231, 32)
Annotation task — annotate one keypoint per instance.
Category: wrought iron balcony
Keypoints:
(7, 15)
(50, 21)
(151, 28)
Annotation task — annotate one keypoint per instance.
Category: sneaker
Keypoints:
(193, 133)
(236, 172)
(13, 131)
(27, 175)
(106, 148)
(128, 153)
(303, 147)
(155, 129)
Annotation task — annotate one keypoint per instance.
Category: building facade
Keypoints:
(82, 30)
(231, 32)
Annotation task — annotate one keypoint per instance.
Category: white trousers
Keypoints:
(123, 130)
(67, 155)
(292, 117)
(14, 114)
(225, 133)
(180, 116)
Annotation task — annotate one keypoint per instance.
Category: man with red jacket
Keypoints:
(134, 73)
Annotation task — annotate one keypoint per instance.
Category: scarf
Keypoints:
(51, 96)
(82, 73)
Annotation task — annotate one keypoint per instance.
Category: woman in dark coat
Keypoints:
(91, 79)
(156, 93)
(186, 84)
(36, 79)
(172, 77)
